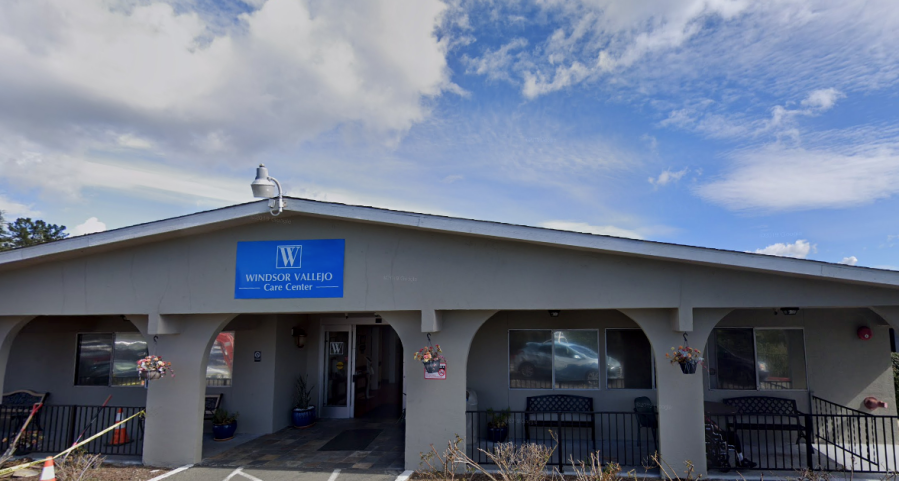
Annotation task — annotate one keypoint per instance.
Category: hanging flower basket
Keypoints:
(688, 358)
(688, 367)
(430, 357)
(153, 367)
(432, 366)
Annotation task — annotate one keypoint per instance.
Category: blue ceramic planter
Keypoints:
(303, 418)
(497, 435)
(223, 432)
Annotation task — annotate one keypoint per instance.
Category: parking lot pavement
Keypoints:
(211, 473)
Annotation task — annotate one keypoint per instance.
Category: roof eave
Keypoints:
(607, 244)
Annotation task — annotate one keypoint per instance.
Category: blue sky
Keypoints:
(741, 125)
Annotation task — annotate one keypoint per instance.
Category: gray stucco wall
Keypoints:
(841, 367)
(43, 357)
(290, 362)
(391, 268)
(252, 390)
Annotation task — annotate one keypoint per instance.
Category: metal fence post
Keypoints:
(809, 432)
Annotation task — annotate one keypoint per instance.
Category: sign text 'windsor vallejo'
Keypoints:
(289, 269)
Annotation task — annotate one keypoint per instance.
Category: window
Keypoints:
(109, 359)
(546, 359)
(750, 359)
(629, 360)
(220, 365)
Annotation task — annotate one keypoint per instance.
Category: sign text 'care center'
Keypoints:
(289, 269)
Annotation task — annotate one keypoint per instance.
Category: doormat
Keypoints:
(351, 440)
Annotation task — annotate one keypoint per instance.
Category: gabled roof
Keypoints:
(243, 213)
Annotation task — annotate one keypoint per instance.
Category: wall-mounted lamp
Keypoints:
(264, 188)
(789, 311)
(554, 313)
(299, 336)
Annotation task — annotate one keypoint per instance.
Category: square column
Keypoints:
(680, 396)
(435, 408)
(174, 425)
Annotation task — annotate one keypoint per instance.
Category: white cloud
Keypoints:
(849, 261)
(195, 84)
(736, 47)
(667, 176)
(133, 142)
(775, 178)
(799, 249)
(815, 103)
(12, 209)
(452, 178)
(822, 99)
(495, 63)
(90, 226)
(609, 230)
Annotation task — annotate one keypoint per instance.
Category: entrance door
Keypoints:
(339, 365)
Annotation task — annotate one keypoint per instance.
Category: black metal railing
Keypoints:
(823, 406)
(627, 438)
(830, 442)
(55, 428)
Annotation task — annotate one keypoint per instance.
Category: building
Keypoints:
(494, 296)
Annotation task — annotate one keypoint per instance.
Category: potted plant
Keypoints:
(688, 357)
(224, 424)
(498, 425)
(303, 412)
(430, 357)
(153, 367)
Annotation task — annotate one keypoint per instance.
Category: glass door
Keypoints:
(338, 371)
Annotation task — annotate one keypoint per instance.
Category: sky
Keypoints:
(758, 126)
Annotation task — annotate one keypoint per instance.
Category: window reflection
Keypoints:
(546, 359)
(129, 347)
(530, 365)
(219, 369)
(94, 359)
(575, 359)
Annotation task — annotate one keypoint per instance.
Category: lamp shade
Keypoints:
(263, 188)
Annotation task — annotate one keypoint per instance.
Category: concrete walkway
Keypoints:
(291, 452)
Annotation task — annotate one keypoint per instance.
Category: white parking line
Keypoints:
(334, 475)
(239, 471)
(174, 471)
(405, 476)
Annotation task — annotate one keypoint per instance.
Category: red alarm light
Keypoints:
(864, 333)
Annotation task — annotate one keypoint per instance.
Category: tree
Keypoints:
(24, 232)
(4, 235)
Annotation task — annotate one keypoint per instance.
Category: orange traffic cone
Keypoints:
(119, 434)
(49, 472)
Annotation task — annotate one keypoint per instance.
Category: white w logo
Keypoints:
(289, 255)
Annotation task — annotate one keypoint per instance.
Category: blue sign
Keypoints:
(289, 269)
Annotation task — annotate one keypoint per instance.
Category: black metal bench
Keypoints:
(777, 414)
(560, 411)
(18, 406)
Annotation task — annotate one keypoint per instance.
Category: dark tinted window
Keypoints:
(732, 359)
(628, 359)
(94, 359)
